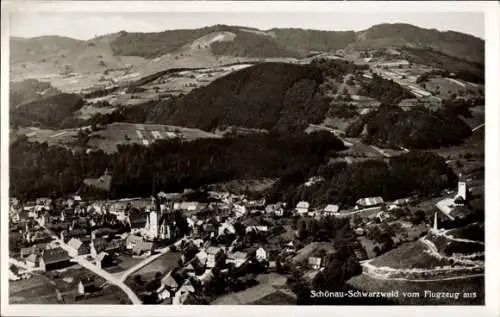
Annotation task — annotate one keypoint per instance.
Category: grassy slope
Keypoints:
(407, 256)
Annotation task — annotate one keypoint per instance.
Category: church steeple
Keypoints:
(462, 187)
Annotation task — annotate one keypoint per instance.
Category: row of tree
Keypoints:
(384, 90)
(421, 173)
(38, 170)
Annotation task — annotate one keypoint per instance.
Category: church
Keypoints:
(156, 226)
(461, 196)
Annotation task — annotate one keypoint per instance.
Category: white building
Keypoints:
(261, 254)
(369, 202)
(462, 188)
(238, 258)
(302, 208)
(331, 210)
(224, 228)
(314, 262)
(239, 210)
(256, 228)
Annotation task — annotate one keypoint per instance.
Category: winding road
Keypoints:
(432, 247)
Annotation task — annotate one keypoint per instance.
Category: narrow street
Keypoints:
(88, 265)
(140, 265)
(110, 278)
(124, 275)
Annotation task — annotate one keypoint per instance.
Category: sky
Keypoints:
(86, 25)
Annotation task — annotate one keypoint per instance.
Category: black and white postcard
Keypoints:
(275, 157)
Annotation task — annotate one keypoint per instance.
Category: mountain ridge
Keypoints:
(287, 41)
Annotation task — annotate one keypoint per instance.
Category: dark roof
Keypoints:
(55, 255)
(113, 244)
(137, 219)
(99, 244)
(105, 231)
(105, 245)
(76, 233)
(87, 281)
(59, 226)
(81, 223)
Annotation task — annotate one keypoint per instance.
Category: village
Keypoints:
(227, 249)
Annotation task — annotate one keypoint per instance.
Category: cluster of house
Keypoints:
(97, 230)
(303, 208)
(199, 270)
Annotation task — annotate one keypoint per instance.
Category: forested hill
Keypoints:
(391, 126)
(39, 170)
(275, 96)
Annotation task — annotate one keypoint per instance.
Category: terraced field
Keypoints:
(145, 134)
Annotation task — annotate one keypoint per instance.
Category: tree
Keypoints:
(418, 217)
(220, 259)
(340, 267)
(302, 230)
(138, 279)
(239, 229)
(357, 220)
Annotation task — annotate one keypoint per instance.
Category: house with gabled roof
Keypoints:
(202, 257)
(32, 260)
(132, 240)
(86, 285)
(137, 220)
(237, 258)
(66, 235)
(369, 202)
(142, 247)
(302, 208)
(330, 210)
(77, 247)
(98, 245)
(25, 252)
(314, 262)
(53, 259)
(211, 253)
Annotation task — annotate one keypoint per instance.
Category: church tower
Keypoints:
(153, 220)
(435, 225)
(462, 187)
